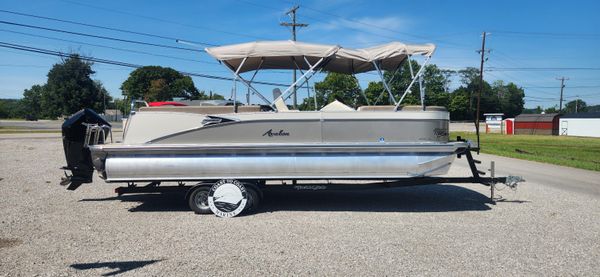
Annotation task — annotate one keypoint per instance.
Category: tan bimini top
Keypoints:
(293, 55)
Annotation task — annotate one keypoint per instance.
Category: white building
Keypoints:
(493, 122)
(580, 124)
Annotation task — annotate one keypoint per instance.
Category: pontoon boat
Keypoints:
(251, 145)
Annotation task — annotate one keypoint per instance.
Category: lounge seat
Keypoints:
(203, 109)
(401, 108)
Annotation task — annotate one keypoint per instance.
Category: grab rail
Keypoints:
(93, 134)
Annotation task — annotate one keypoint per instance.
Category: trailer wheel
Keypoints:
(253, 199)
(198, 200)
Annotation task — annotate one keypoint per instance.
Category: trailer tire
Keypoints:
(198, 200)
(254, 198)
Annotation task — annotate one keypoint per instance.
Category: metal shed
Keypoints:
(537, 124)
(580, 124)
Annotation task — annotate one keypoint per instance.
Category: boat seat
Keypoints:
(280, 105)
(419, 108)
(401, 108)
(203, 109)
(376, 108)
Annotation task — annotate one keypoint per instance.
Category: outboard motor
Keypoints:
(82, 129)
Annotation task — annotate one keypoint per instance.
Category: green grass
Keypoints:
(576, 152)
(23, 130)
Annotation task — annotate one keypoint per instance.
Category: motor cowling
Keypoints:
(83, 128)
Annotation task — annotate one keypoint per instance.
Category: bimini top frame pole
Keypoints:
(385, 84)
(413, 82)
(248, 84)
(304, 78)
(254, 56)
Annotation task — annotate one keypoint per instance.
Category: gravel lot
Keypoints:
(430, 230)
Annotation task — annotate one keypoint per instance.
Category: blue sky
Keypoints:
(561, 37)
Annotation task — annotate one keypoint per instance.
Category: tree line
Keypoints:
(507, 98)
(70, 87)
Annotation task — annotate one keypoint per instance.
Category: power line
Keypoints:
(292, 13)
(562, 87)
(541, 98)
(105, 46)
(103, 27)
(23, 65)
(98, 36)
(117, 63)
(162, 20)
(358, 22)
(539, 68)
(559, 87)
(482, 52)
(377, 26)
(566, 35)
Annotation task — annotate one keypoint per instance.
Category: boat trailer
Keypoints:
(200, 195)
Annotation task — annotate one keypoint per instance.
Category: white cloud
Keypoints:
(379, 25)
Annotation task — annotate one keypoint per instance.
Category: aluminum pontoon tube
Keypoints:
(272, 166)
(186, 162)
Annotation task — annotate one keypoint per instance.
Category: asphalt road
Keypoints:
(42, 124)
(549, 226)
(560, 177)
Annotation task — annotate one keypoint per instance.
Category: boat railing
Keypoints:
(96, 134)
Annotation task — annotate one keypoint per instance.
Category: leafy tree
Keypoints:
(376, 93)
(70, 88)
(469, 75)
(511, 98)
(3, 109)
(32, 102)
(592, 109)
(11, 108)
(156, 83)
(399, 81)
(106, 98)
(553, 109)
(576, 105)
(211, 96)
(459, 107)
(336, 86)
(436, 82)
(536, 110)
(119, 104)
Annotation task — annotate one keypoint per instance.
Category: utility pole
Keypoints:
(294, 25)
(562, 86)
(482, 52)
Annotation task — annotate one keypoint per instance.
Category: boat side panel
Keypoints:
(145, 126)
(312, 130)
(297, 127)
(425, 130)
(255, 131)
(299, 166)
